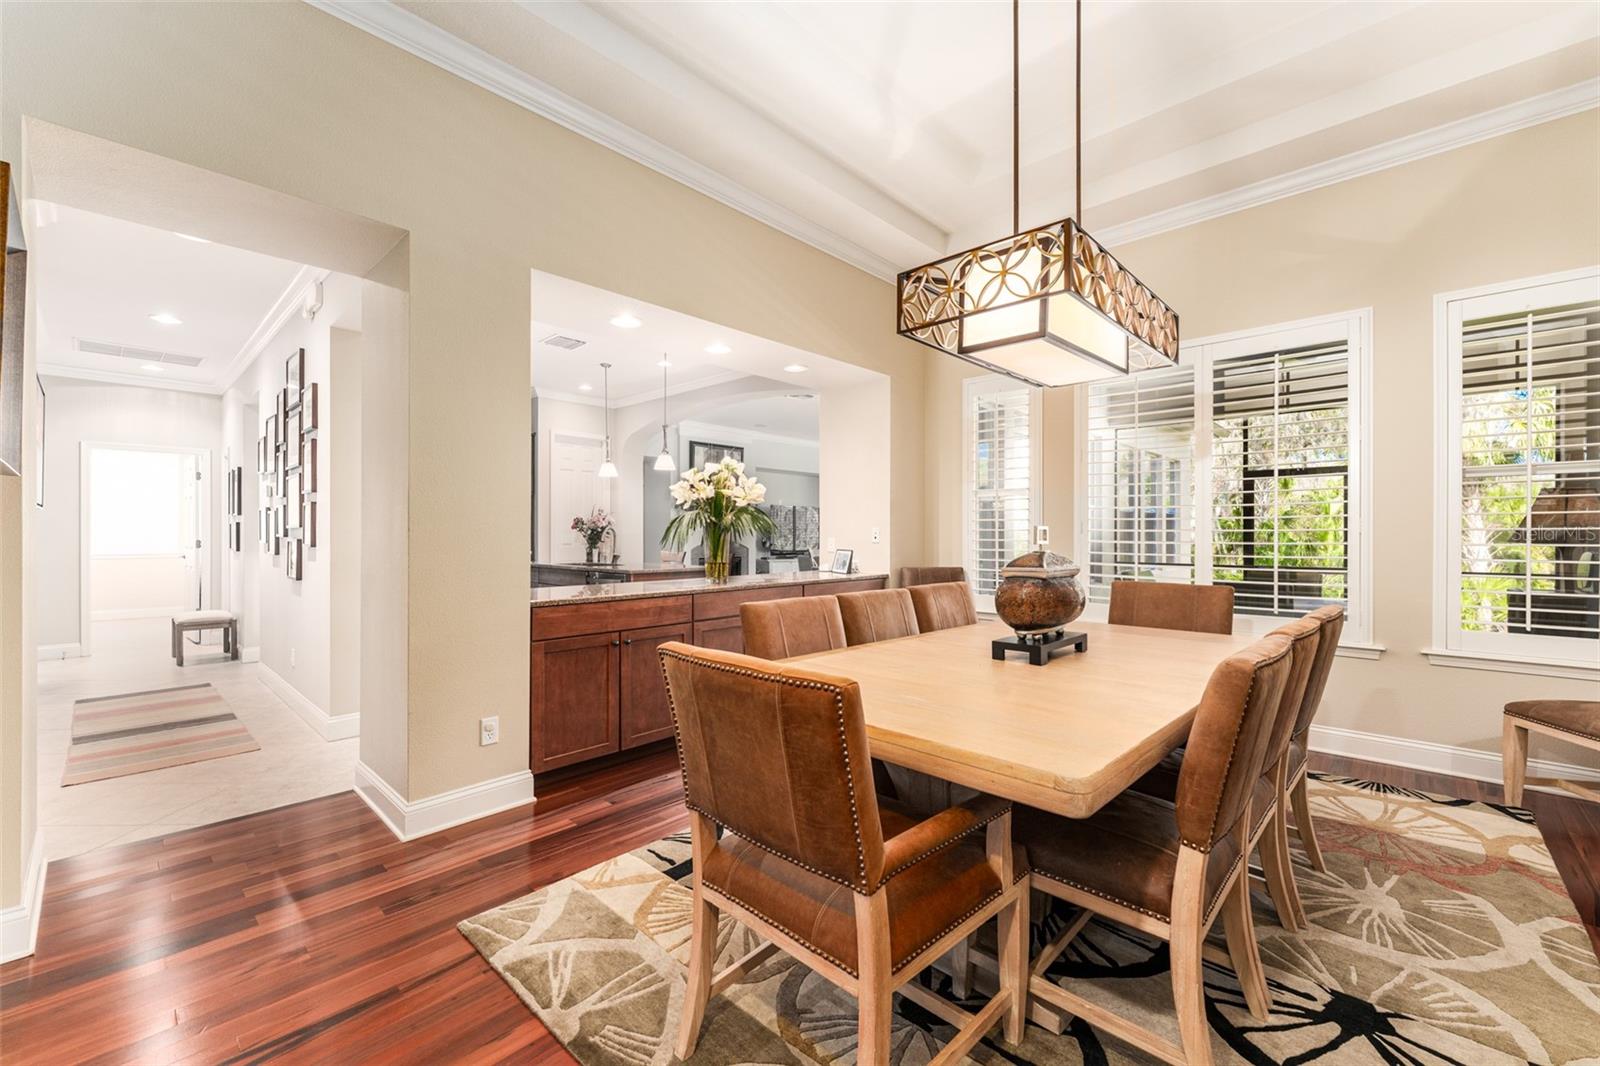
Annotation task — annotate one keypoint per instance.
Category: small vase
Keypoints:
(717, 556)
(588, 555)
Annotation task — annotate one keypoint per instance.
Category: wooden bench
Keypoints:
(1575, 721)
(203, 620)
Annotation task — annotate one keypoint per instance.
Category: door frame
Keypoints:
(86, 450)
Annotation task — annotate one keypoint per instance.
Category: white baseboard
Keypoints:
(60, 651)
(410, 819)
(1427, 755)
(328, 726)
(249, 655)
(19, 925)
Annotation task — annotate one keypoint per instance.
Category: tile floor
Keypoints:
(294, 762)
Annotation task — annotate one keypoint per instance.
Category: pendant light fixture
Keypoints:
(607, 467)
(664, 461)
(1048, 306)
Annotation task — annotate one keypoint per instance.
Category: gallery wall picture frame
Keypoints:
(294, 373)
(308, 408)
(293, 559)
(703, 452)
(308, 465)
(843, 558)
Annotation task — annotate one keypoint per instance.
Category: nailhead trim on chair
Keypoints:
(809, 946)
(958, 838)
(844, 747)
(1232, 750)
(1546, 725)
(919, 949)
(1103, 895)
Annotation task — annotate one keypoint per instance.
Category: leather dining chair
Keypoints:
(882, 614)
(943, 606)
(1163, 605)
(1331, 618)
(1269, 804)
(800, 625)
(930, 575)
(815, 863)
(1170, 869)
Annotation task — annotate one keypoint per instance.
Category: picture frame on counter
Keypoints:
(843, 559)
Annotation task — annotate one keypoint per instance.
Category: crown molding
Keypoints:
(409, 32)
(412, 33)
(1458, 134)
(288, 303)
(117, 377)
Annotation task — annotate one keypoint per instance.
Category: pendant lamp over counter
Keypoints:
(664, 461)
(607, 467)
(1048, 306)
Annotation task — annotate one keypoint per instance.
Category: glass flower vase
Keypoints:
(717, 543)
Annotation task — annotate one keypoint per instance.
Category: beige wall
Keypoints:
(1520, 205)
(289, 98)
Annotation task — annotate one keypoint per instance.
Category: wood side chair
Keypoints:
(1163, 605)
(800, 625)
(1331, 618)
(1171, 869)
(943, 605)
(882, 614)
(1575, 721)
(864, 895)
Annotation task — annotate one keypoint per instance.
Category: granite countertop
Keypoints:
(617, 568)
(638, 590)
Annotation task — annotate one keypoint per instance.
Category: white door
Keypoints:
(144, 532)
(575, 489)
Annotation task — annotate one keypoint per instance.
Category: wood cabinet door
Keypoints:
(573, 699)
(646, 714)
(724, 634)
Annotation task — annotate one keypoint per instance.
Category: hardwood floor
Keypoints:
(308, 934)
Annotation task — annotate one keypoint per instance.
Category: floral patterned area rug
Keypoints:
(1440, 934)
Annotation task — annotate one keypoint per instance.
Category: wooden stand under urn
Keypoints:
(1039, 594)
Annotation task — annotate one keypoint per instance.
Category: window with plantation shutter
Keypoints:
(1242, 466)
(1520, 534)
(1001, 479)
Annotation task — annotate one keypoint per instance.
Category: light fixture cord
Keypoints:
(1016, 120)
(1077, 108)
(663, 403)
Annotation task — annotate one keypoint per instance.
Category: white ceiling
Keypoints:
(880, 131)
(794, 415)
(573, 309)
(100, 278)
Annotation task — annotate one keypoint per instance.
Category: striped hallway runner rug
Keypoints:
(137, 731)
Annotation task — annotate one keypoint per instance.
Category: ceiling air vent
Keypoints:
(556, 340)
(143, 355)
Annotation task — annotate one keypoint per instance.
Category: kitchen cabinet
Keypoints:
(573, 686)
(645, 714)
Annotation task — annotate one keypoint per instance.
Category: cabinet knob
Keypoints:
(628, 641)
(614, 643)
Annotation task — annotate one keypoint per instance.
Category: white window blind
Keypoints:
(1524, 506)
(1240, 466)
(1139, 469)
(1000, 480)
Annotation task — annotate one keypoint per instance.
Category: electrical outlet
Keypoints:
(875, 535)
(488, 731)
(1043, 535)
(291, 658)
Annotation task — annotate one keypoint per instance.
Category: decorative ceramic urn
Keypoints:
(1039, 594)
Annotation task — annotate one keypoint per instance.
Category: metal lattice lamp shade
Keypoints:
(1048, 306)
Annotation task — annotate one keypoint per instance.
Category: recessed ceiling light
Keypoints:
(625, 320)
(802, 396)
(151, 368)
(192, 237)
(794, 368)
(586, 387)
(663, 362)
(166, 318)
(718, 348)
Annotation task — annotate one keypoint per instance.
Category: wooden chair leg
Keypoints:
(702, 943)
(1012, 935)
(1301, 801)
(233, 627)
(1238, 925)
(1279, 871)
(1514, 761)
(874, 987)
(1188, 974)
(177, 645)
(960, 962)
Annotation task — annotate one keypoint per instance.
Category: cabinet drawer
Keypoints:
(726, 604)
(577, 619)
(723, 634)
(836, 588)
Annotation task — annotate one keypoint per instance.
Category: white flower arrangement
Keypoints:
(720, 501)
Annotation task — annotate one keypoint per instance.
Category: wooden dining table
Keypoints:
(1064, 737)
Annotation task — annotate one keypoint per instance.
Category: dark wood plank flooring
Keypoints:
(308, 934)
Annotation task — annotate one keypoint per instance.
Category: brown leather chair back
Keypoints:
(879, 615)
(1228, 741)
(800, 625)
(943, 606)
(1162, 605)
(1305, 638)
(930, 575)
(778, 755)
(1331, 618)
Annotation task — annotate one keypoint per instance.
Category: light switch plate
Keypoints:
(1042, 535)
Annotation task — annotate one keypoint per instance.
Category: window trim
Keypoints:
(1355, 328)
(971, 389)
(1521, 653)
